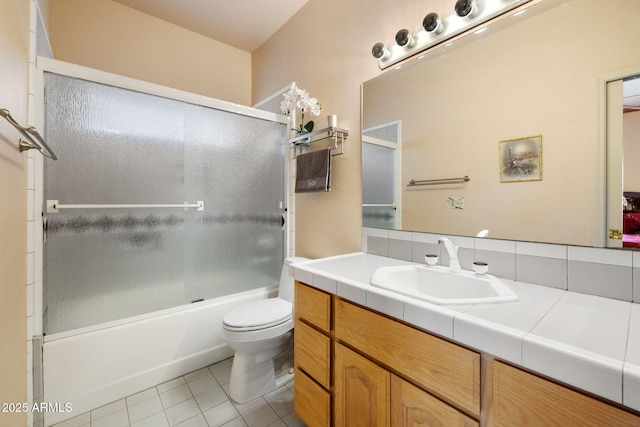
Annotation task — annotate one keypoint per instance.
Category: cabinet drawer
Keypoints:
(313, 305)
(312, 352)
(447, 370)
(411, 406)
(521, 398)
(311, 402)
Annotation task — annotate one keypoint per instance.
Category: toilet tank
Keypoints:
(285, 291)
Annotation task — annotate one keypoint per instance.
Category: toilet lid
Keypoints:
(259, 314)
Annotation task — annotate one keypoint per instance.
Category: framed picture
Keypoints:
(521, 159)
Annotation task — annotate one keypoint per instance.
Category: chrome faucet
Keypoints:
(454, 264)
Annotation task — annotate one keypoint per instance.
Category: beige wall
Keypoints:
(326, 49)
(108, 36)
(14, 56)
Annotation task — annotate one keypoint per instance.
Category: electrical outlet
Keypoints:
(455, 202)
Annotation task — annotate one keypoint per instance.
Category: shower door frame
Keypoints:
(80, 72)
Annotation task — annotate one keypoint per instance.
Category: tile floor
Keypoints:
(196, 399)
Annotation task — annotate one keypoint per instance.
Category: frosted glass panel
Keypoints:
(378, 186)
(118, 146)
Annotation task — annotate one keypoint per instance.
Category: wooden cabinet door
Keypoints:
(413, 407)
(523, 399)
(362, 390)
(446, 370)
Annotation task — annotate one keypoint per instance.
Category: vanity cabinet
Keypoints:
(372, 359)
(354, 366)
(312, 355)
(524, 399)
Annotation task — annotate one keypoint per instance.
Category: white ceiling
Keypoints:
(244, 24)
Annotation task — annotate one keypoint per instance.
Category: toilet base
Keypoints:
(253, 375)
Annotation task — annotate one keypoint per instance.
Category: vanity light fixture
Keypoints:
(466, 8)
(380, 51)
(405, 39)
(467, 14)
(432, 23)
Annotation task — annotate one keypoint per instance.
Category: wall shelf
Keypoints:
(332, 133)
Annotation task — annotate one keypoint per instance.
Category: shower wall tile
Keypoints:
(30, 268)
(31, 199)
(31, 232)
(29, 301)
(31, 174)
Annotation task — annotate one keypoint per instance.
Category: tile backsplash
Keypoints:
(611, 273)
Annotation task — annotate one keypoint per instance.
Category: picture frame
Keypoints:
(521, 159)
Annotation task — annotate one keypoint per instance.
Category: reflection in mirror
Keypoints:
(381, 176)
(532, 74)
(631, 158)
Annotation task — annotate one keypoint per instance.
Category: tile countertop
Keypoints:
(590, 342)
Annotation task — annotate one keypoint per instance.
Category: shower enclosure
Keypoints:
(154, 203)
(382, 176)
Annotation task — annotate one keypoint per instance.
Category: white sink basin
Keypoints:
(438, 285)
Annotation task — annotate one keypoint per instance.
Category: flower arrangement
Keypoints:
(296, 98)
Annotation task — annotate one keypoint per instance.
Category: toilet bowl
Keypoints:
(261, 334)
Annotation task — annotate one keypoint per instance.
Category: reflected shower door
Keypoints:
(381, 148)
(118, 146)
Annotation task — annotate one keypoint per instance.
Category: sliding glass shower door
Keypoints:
(154, 203)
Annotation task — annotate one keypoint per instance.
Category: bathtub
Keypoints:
(93, 366)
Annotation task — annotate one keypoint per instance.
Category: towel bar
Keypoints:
(462, 180)
(53, 206)
(35, 139)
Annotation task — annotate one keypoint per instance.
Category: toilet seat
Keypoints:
(257, 315)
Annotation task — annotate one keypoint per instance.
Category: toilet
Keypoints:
(261, 334)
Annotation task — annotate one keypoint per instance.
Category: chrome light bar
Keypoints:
(467, 14)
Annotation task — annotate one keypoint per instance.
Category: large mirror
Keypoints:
(518, 110)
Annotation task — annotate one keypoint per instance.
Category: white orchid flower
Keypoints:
(296, 98)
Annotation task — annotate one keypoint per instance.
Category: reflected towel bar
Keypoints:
(53, 206)
(462, 180)
(379, 205)
(35, 139)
